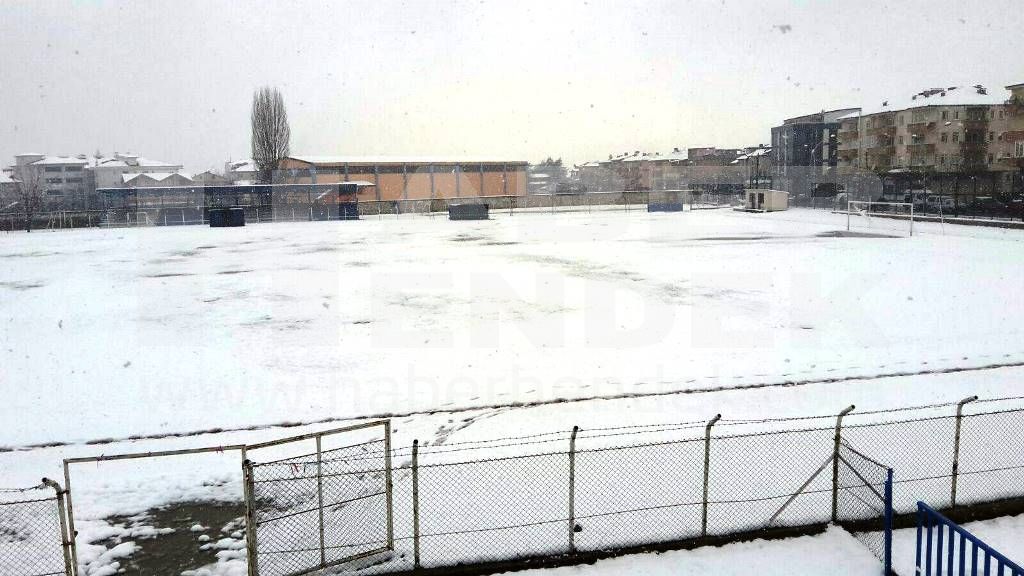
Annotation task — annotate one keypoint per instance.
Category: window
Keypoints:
(945, 114)
(1019, 149)
(991, 136)
(956, 136)
(991, 158)
(956, 115)
(945, 135)
(901, 140)
(52, 169)
(901, 119)
(54, 180)
(942, 159)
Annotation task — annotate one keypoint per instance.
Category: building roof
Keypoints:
(133, 163)
(157, 176)
(976, 95)
(59, 160)
(242, 166)
(334, 160)
(5, 179)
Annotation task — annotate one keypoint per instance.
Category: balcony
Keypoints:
(921, 148)
(921, 126)
(881, 131)
(887, 150)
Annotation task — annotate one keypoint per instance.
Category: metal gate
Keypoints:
(318, 499)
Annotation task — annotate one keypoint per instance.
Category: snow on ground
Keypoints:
(834, 552)
(134, 332)
(110, 333)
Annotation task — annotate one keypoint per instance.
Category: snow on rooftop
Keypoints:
(404, 160)
(158, 176)
(124, 160)
(52, 160)
(243, 166)
(948, 96)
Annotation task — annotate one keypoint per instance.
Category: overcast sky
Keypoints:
(172, 80)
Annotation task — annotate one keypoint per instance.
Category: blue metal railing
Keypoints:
(939, 553)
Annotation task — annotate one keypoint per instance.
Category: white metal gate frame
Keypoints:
(250, 511)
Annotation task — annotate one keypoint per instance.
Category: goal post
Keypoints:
(895, 217)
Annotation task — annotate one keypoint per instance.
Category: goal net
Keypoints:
(884, 218)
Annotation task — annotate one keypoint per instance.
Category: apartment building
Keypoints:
(62, 179)
(958, 141)
(805, 150)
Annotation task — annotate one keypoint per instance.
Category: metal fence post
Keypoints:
(250, 516)
(72, 533)
(416, 503)
(320, 497)
(888, 523)
(707, 472)
(389, 484)
(572, 490)
(65, 543)
(956, 448)
(835, 462)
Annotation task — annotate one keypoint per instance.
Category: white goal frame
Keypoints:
(853, 206)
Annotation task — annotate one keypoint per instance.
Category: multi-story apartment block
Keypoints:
(958, 141)
(70, 182)
(805, 148)
(62, 179)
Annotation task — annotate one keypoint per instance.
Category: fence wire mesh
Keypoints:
(314, 510)
(31, 539)
(631, 487)
(862, 499)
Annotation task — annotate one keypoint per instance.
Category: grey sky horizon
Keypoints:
(578, 80)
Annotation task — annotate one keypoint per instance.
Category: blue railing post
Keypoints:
(926, 518)
(920, 519)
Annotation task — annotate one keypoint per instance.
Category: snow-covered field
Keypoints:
(468, 331)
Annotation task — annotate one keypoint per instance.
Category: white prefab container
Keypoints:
(767, 200)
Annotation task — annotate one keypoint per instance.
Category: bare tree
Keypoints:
(270, 132)
(28, 194)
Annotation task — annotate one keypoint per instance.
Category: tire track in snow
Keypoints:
(531, 404)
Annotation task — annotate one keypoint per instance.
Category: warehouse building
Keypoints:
(396, 178)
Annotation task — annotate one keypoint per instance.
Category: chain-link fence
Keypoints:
(864, 501)
(590, 491)
(486, 503)
(32, 532)
(290, 208)
(315, 510)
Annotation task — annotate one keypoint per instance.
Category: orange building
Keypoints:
(409, 178)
